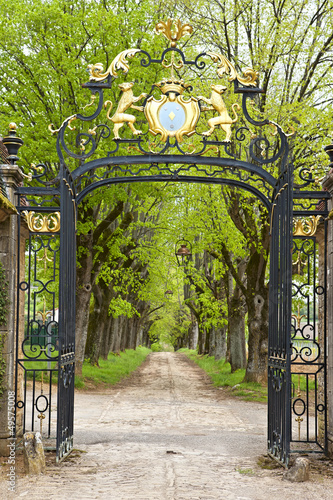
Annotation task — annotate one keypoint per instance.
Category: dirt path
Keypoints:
(165, 433)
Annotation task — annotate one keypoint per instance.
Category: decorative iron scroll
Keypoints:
(308, 335)
(251, 178)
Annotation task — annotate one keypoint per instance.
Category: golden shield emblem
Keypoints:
(172, 116)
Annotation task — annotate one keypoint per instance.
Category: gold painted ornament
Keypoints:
(40, 223)
(217, 104)
(172, 115)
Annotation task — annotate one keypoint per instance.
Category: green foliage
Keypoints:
(47, 54)
(220, 373)
(111, 371)
(156, 347)
(161, 346)
(303, 383)
(4, 301)
(290, 45)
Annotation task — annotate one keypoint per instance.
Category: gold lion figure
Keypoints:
(216, 103)
(127, 100)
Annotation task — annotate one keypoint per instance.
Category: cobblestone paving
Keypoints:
(166, 434)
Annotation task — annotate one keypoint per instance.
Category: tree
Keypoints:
(290, 45)
(45, 60)
(45, 63)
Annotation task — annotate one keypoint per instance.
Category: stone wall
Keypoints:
(320, 281)
(11, 176)
(328, 184)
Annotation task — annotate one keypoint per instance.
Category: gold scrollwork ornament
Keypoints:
(304, 227)
(40, 223)
(173, 35)
(225, 67)
(119, 62)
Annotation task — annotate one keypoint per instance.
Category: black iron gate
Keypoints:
(279, 347)
(67, 273)
(309, 323)
(45, 320)
(37, 312)
(176, 147)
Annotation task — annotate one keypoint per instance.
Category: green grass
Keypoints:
(301, 380)
(112, 370)
(109, 372)
(247, 472)
(41, 364)
(220, 373)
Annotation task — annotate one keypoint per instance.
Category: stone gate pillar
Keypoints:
(328, 185)
(10, 178)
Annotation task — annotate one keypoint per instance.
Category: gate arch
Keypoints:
(256, 162)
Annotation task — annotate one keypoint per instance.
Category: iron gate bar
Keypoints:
(174, 160)
(279, 389)
(315, 342)
(176, 178)
(67, 288)
(312, 195)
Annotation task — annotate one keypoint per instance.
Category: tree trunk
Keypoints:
(83, 296)
(220, 342)
(201, 338)
(258, 338)
(98, 321)
(212, 342)
(86, 274)
(237, 351)
(209, 337)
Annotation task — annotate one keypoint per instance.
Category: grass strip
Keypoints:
(220, 373)
(111, 370)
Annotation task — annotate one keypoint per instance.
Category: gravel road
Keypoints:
(166, 434)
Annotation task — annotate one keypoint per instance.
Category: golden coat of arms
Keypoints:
(172, 115)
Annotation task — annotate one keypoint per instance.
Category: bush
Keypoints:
(156, 347)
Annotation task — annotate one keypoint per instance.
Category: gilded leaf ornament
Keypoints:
(119, 62)
(303, 227)
(225, 67)
(39, 223)
(173, 35)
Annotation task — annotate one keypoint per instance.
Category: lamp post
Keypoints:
(183, 254)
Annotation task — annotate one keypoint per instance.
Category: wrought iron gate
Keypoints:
(279, 347)
(183, 152)
(37, 321)
(45, 321)
(309, 324)
(67, 273)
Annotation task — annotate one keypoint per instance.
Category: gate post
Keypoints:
(328, 186)
(11, 177)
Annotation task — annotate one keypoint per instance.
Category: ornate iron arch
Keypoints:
(176, 142)
(173, 122)
(178, 178)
